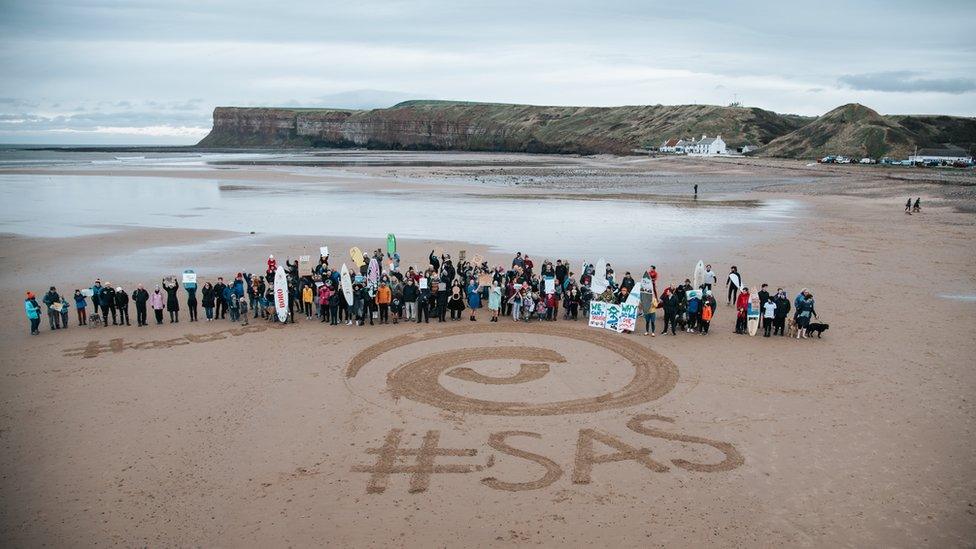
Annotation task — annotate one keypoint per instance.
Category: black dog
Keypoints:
(818, 327)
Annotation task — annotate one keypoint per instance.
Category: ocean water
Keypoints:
(49, 205)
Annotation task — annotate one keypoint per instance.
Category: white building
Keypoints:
(948, 154)
(668, 146)
(707, 146)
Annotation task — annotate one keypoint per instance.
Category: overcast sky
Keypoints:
(128, 71)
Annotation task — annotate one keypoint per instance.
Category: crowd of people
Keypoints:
(382, 293)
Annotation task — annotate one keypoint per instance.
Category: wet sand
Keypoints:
(210, 434)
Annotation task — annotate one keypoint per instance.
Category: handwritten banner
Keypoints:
(598, 314)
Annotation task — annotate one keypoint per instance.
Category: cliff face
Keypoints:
(435, 125)
(444, 125)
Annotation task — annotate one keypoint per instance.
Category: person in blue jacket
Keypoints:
(81, 307)
(474, 298)
(33, 311)
(96, 295)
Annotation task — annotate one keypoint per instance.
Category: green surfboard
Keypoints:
(390, 244)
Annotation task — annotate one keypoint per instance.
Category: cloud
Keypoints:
(906, 82)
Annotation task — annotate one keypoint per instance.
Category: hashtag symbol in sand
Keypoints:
(94, 348)
(387, 462)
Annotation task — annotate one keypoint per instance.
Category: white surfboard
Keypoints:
(752, 314)
(699, 277)
(281, 293)
(598, 284)
(346, 283)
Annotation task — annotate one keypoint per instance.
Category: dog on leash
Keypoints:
(94, 321)
(818, 327)
(790, 327)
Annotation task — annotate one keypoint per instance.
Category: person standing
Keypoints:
(207, 295)
(307, 298)
(733, 282)
(708, 311)
(494, 300)
(669, 302)
(107, 298)
(122, 304)
(81, 306)
(172, 302)
(763, 298)
(742, 311)
(384, 296)
(410, 296)
(157, 302)
(140, 297)
(769, 316)
(908, 206)
(33, 311)
(782, 309)
(53, 302)
(917, 208)
(64, 312)
(96, 289)
(648, 308)
(219, 300)
(710, 278)
(191, 302)
(474, 298)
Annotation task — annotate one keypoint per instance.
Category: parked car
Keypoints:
(828, 160)
(867, 160)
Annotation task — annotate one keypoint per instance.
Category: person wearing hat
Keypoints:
(157, 302)
(122, 304)
(33, 311)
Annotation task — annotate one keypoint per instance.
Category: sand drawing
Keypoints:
(419, 380)
(387, 462)
(527, 372)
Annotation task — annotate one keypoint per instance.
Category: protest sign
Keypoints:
(423, 283)
(550, 285)
(324, 251)
(628, 317)
(613, 317)
(189, 277)
(598, 314)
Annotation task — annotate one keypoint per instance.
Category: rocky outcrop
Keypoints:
(438, 125)
(450, 125)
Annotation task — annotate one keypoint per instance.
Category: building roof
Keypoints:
(671, 142)
(707, 141)
(949, 151)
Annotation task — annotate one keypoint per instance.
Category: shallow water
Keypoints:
(70, 205)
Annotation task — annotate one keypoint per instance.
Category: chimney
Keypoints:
(704, 136)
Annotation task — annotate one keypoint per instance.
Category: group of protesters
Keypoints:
(383, 293)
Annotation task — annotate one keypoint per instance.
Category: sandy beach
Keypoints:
(476, 434)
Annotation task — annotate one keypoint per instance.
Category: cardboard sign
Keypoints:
(598, 314)
(628, 317)
(550, 285)
(477, 259)
(423, 283)
(189, 278)
(462, 254)
(613, 317)
(324, 251)
(305, 264)
(484, 280)
(87, 292)
(57, 306)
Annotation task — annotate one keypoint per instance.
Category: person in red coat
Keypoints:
(741, 311)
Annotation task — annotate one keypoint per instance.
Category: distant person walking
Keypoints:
(918, 205)
(908, 206)
(696, 191)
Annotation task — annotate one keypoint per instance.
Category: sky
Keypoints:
(140, 72)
